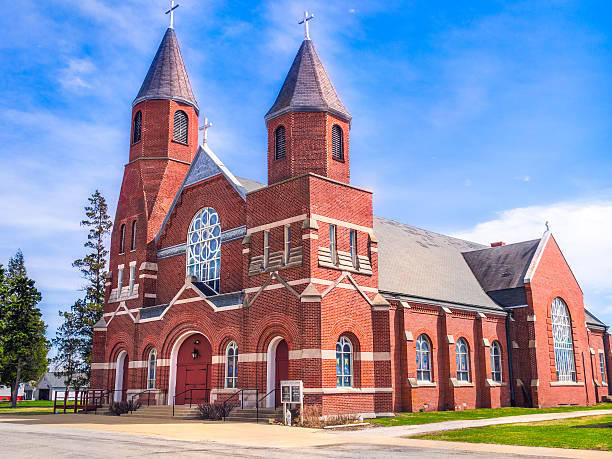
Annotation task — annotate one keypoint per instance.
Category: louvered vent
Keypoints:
(138, 126)
(337, 142)
(180, 127)
(279, 139)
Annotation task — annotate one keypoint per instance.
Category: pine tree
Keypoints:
(74, 338)
(24, 346)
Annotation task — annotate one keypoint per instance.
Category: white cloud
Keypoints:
(582, 230)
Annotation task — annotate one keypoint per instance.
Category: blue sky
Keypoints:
(479, 119)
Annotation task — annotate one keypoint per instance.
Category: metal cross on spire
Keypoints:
(204, 129)
(171, 13)
(305, 22)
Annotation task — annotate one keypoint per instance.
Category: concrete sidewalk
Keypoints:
(412, 430)
(272, 440)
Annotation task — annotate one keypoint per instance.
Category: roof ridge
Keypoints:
(433, 232)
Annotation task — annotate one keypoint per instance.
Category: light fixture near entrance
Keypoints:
(195, 354)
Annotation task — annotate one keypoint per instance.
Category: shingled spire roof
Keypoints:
(167, 77)
(307, 88)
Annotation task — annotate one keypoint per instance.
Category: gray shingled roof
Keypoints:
(307, 88)
(592, 320)
(167, 77)
(419, 263)
(500, 268)
(251, 185)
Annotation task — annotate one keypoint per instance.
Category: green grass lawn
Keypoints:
(27, 407)
(428, 417)
(593, 432)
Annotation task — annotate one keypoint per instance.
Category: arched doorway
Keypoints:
(121, 377)
(193, 363)
(278, 368)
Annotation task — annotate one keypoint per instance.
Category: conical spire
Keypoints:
(167, 77)
(307, 88)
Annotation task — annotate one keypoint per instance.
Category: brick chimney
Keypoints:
(498, 244)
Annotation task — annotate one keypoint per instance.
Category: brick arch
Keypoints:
(347, 325)
(147, 344)
(227, 335)
(121, 341)
(173, 331)
(273, 326)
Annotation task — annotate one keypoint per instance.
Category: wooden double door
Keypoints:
(193, 371)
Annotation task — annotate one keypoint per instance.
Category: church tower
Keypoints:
(308, 125)
(163, 143)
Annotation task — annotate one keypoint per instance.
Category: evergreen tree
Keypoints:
(24, 346)
(74, 338)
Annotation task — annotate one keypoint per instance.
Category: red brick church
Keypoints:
(219, 283)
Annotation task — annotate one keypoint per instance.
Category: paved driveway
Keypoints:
(73, 435)
(45, 441)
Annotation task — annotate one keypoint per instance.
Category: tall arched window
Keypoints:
(344, 362)
(496, 366)
(122, 239)
(137, 127)
(231, 366)
(279, 143)
(423, 358)
(133, 247)
(152, 369)
(562, 340)
(204, 247)
(337, 142)
(463, 360)
(180, 126)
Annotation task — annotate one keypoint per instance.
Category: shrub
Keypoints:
(311, 417)
(213, 411)
(119, 408)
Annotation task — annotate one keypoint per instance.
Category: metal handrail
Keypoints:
(190, 396)
(267, 395)
(148, 392)
(241, 391)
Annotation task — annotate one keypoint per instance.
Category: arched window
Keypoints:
(463, 360)
(231, 366)
(423, 358)
(133, 247)
(122, 239)
(180, 126)
(204, 248)
(562, 340)
(337, 142)
(137, 127)
(279, 142)
(152, 369)
(496, 366)
(344, 362)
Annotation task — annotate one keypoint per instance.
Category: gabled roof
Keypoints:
(307, 88)
(167, 77)
(504, 267)
(204, 166)
(591, 320)
(422, 264)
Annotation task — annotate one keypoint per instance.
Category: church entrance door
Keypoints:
(282, 367)
(193, 370)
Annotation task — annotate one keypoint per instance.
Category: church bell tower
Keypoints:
(308, 125)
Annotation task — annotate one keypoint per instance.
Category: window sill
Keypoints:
(492, 383)
(340, 160)
(456, 383)
(566, 383)
(180, 143)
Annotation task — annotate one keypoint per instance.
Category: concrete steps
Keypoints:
(164, 412)
(250, 415)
